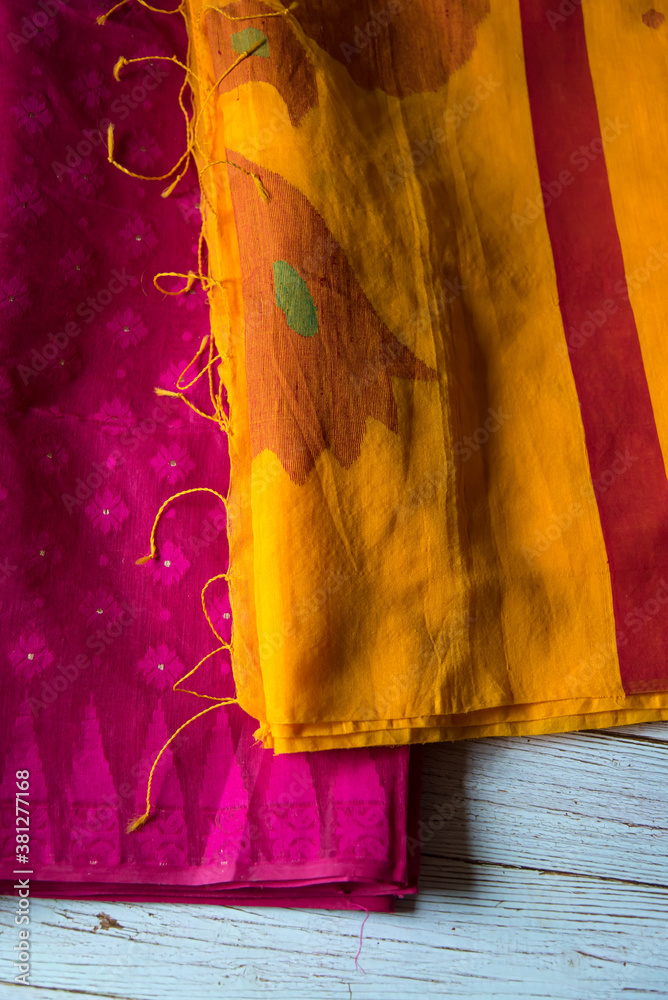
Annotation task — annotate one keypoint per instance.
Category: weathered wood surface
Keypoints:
(544, 875)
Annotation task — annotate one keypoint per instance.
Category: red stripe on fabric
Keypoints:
(625, 459)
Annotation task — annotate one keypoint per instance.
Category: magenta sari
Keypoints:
(91, 643)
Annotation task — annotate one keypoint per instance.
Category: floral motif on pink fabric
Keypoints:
(25, 203)
(100, 608)
(138, 237)
(90, 88)
(161, 665)
(172, 463)
(45, 35)
(77, 266)
(31, 654)
(220, 613)
(115, 417)
(196, 298)
(45, 553)
(86, 177)
(107, 511)
(127, 328)
(189, 206)
(143, 149)
(51, 455)
(169, 377)
(14, 297)
(173, 564)
(32, 113)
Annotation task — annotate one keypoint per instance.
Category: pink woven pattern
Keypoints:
(90, 643)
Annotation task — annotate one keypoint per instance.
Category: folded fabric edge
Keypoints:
(448, 732)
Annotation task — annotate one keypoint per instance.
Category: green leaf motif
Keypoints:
(244, 40)
(294, 298)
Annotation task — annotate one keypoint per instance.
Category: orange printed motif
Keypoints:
(281, 61)
(319, 360)
(400, 46)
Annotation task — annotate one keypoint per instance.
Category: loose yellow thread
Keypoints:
(216, 398)
(237, 61)
(156, 10)
(103, 17)
(209, 284)
(219, 702)
(219, 576)
(216, 416)
(212, 360)
(261, 188)
(122, 61)
(170, 187)
(131, 173)
(198, 694)
(256, 177)
(244, 17)
(190, 277)
(127, 62)
(181, 396)
(185, 157)
(135, 824)
(206, 282)
(197, 489)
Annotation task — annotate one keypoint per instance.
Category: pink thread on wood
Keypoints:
(358, 906)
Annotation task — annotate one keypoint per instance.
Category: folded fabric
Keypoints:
(436, 268)
(91, 643)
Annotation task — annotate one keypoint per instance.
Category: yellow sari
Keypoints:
(435, 252)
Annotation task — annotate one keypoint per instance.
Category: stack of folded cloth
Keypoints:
(365, 362)
(92, 644)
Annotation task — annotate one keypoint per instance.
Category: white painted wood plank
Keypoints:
(476, 931)
(590, 803)
(647, 730)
